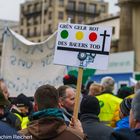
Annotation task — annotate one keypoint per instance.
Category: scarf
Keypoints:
(50, 112)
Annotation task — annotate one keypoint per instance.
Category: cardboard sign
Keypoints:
(83, 46)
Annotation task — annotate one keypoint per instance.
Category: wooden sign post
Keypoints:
(78, 92)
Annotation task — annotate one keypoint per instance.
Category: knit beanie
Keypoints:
(125, 91)
(90, 104)
(70, 80)
(22, 100)
(125, 106)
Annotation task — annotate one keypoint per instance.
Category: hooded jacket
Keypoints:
(123, 123)
(50, 128)
(49, 124)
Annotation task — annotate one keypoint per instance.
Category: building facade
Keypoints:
(127, 28)
(114, 22)
(40, 18)
(130, 28)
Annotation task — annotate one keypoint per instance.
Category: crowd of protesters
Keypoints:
(103, 114)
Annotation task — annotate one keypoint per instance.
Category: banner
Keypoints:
(26, 65)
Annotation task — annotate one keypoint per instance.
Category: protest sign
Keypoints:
(83, 46)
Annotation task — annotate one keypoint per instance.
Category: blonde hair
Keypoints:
(95, 89)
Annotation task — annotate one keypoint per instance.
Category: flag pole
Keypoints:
(42, 21)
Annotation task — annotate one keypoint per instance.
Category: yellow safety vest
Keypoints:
(24, 120)
(24, 123)
(108, 104)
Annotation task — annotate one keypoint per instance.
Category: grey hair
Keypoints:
(108, 83)
(137, 87)
(136, 106)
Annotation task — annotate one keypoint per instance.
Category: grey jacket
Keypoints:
(94, 129)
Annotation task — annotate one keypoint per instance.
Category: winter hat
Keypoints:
(70, 80)
(125, 106)
(90, 104)
(3, 101)
(22, 100)
(124, 92)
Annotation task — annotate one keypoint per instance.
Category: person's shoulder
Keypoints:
(123, 134)
(5, 126)
(112, 97)
(9, 131)
(76, 133)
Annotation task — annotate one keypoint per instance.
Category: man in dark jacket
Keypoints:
(48, 122)
(134, 122)
(8, 133)
(94, 129)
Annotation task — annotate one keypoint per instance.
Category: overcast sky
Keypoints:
(9, 9)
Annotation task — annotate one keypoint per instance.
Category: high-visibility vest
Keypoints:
(20, 118)
(24, 120)
(108, 104)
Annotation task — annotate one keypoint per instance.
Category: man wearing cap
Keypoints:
(124, 112)
(22, 107)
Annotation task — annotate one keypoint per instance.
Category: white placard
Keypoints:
(84, 46)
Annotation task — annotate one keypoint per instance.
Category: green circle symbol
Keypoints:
(101, 103)
(64, 34)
